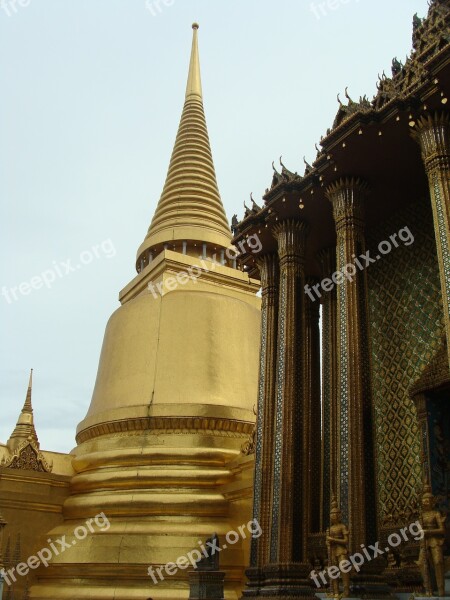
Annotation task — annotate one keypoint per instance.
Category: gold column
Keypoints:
(288, 571)
(314, 443)
(433, 135)
(259, 554)
(291, 419)
(327, 259)
(356, 478)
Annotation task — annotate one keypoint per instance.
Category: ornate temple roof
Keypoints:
(430, 36)
(190, 207)
(409, 89)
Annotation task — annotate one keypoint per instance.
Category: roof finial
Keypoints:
(24, 429)
(27, 407)
(194, 83)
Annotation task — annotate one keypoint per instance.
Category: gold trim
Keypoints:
(184, 425)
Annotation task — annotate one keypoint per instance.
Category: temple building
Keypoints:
(33, 487)
(317, 410)
(361, 240)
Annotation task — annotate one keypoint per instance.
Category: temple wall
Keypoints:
(406, 327)
(31, 504)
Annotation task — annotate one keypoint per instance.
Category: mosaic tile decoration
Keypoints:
(326, 449)
(259, 432)
(343, 426)
(442, 234)
(406, 324)
(370, 495)
(279, 421)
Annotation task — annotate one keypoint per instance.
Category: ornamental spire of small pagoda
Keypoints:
(190, 209)
(24, 429)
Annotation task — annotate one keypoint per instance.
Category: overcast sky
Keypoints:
(91, 96)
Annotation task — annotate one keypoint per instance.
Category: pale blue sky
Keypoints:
(91, 95)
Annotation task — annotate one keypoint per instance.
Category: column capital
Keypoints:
(291, 236)
(268, 266)
(327, 260)
(432, 132)
(347, 196)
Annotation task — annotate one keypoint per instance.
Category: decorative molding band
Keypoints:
(32, 506)
(49, 479)
(180, 425)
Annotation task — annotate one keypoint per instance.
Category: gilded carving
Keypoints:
(27, 457)
(337, 540)
(431, 558)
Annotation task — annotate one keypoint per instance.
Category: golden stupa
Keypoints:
(160, 449)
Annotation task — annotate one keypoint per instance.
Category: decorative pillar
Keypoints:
(287, 575)
(433, 134)
(327, 259)
(262, 494)
(356, 488)
(312, 371)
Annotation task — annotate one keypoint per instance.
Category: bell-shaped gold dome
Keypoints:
(191, 353)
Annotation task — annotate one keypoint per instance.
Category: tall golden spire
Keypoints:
(190, 208)
(24, 429)
(194, 82)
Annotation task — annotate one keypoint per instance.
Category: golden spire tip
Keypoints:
(194, 84)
